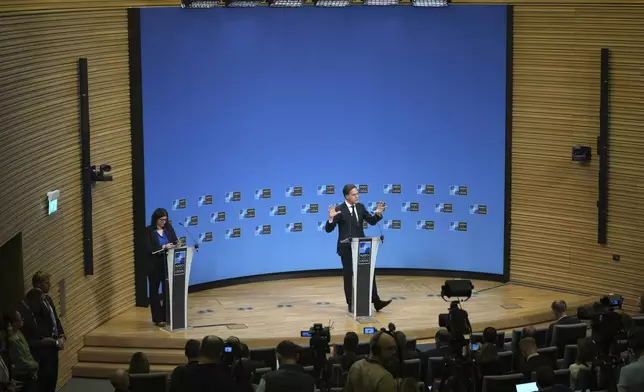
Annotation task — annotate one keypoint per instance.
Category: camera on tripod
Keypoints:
(605, 322)
(320, 338)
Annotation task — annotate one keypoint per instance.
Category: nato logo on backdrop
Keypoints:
(262, 230)
(277, 210)
(425, 189)
(363, 188)
(322, 226)
(326, 190)
(205, 237)
(410, 206)
(294, 191)
(233, 233)
(394, 224)
(443, 207)
(183, 239)
(293, 227)
(458, 190)
(425, 225)
(217, 217)
(310, 209)
(191, 221)
(178, 204)
(264, 193)
(233, 196)
(458, 226)
(247, 213)
(392, 188)
(205, 200)
(478, 209)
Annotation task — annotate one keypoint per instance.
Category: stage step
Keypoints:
(139, 342)
(157, 356)
(105, 370)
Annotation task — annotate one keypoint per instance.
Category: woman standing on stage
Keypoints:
(161, 237)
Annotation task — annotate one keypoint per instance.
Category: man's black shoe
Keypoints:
(381, 305)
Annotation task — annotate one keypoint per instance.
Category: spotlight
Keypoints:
(242, 3)
(285, 3)
(99, 174)
(431, 3)
(332, 3)
(198, 4)
(381, 2)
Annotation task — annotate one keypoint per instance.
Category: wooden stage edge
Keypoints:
(265, 313)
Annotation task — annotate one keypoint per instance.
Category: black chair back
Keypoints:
(411, 344)
(266, 354)
(435, 368)
(411, 368)
(516, 338)
(562, 376)
(505, 383)
(549, 352)
(570, 354)
(306, 356)
(638, 321)
(585, 380)
(567, 334)
(148, 382)
(506, 359)
(540, 337)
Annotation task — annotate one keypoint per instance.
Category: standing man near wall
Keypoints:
(50, 326)
(349, 216)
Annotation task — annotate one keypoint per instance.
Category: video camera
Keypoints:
(605, 322)
(456, 320)
(320, 338)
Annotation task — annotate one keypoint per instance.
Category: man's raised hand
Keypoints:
(332, 212)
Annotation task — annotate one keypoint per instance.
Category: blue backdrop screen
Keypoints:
(254, 119)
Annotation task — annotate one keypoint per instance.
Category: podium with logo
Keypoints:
(364, 251)
(178, 262)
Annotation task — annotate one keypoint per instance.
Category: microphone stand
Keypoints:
(196, 245)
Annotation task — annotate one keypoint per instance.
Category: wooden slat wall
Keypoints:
(556, 105)
(40, 151)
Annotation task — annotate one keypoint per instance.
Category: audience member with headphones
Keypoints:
(371, 374)
(631, 377)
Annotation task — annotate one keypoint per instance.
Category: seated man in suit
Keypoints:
(631, 377)
(533, 360)
(177, 379)
(559, 309)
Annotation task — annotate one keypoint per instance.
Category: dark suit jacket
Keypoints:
(178, 379)
(348, 227)
(565, 320)
(47, 323)
(32, 330)
(534, 363)
(157, 260)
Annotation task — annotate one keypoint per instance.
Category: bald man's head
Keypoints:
(387, 348)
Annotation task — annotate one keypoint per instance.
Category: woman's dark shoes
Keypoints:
(380, 305)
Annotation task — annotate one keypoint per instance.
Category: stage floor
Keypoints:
(263, 314)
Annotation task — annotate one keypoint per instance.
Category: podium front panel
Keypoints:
(364, 252)
(178, 262)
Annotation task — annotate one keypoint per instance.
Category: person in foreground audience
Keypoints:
(139, 364)
(177, 379)
(350, 347)
(25, 366)
(631, 377)
(559, 309)
(7, 384)
(487, 358)
(533, 360)
(50, 327)
(210, 375)
(290, 376)
(370, 374)
(546, 381)
(586, 353)
(120, 380)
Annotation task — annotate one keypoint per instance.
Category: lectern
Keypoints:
(178, 261)
(364, 251)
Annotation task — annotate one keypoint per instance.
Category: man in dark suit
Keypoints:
(559, 309)
(178, 378)
(349, 217)
(50, 326)
(533, 360)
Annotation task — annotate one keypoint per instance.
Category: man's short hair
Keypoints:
(528, 345)
(288, 350)
(443, 337)
(33, 296)
(39, 277)
(559, 306)
(351, 342)
(192, 349)
(528, 332)
(490, 335)
(347, 189)
(212, 347)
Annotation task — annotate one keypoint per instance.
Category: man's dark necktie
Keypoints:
(353, 213)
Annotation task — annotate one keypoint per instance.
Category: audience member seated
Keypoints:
(211, 375)
(290, 376)
(349, 356)
(177, 379)
(25, 367)
(370, 374)
(119, 380)
(486, 357)
(533, 360)
(6, 381)
(631, 376)
(139, 364)
(442, 338)
(586, 353)
(407, 384)
(546, 381)
(528, 332)
(559, 309)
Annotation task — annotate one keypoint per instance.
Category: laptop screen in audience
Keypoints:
(527, 387)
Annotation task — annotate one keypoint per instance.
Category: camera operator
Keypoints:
(631, 377)
(290, 376)
(371, 374)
